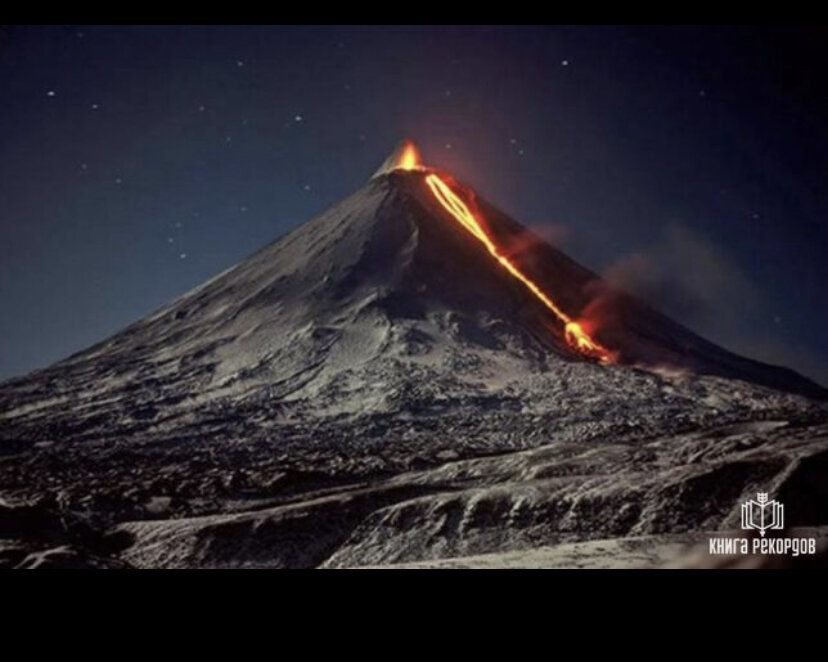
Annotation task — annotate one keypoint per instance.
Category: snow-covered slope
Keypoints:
(374, 339)
(385, 276)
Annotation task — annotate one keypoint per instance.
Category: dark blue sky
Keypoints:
(688, 164)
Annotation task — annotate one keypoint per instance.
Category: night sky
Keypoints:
(686, 164)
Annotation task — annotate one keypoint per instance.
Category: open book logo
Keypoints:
(761, 514)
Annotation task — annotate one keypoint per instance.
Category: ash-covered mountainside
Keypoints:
(377, 365)
(386, 273)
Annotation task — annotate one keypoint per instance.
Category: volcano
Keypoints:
(410, 375)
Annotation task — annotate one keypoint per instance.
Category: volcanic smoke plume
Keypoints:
(392, 381)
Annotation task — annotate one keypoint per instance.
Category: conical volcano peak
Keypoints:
(409, 374)
(405, 156)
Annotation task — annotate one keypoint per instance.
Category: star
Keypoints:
(297, 118)
(95, 106)
(50, 93)
(182, 256)
(307, 187)
(564, 63)
(242, 208)
(239, 63)
(118, 180)
(201, 109)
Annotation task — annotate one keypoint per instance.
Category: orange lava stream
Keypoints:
(574, 334)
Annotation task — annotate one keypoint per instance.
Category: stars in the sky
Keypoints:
(298, 118)
(174, 241)
(514, 144)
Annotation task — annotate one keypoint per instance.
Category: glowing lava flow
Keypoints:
(410, 157)
(574, 334)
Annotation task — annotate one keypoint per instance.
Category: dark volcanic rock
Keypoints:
(43, 534)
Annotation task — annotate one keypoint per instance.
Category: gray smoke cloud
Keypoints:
(688, 277)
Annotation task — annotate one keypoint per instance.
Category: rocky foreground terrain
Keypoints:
(226, 506)
(371, 390)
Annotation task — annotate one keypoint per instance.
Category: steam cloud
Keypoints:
(693, 280)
